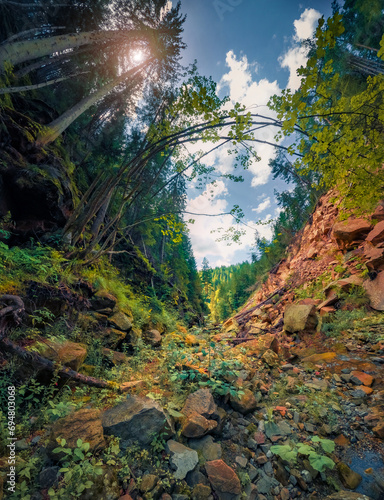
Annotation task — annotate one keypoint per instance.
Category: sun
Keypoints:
(138, 56)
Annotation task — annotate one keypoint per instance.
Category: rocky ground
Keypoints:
(284, 400)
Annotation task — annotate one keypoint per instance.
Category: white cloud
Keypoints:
(306, 25)
(212, 202)
(254, 94)
(262, 206)
(296, 56)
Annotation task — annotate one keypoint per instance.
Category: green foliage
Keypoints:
(339, 125)
(319, 462)
(80, 469)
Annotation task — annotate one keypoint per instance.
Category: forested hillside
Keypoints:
(126, 372)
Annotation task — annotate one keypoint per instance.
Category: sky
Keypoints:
(251, 48)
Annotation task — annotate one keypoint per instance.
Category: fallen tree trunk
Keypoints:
(16, 309)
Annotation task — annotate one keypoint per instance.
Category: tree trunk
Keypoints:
(28, 50)
(25, 88)
(58, 126)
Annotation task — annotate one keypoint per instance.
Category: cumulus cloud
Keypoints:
(262, 206)
(296, 56)
(241, 86)
(202, 233)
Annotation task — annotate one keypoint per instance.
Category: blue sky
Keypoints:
(252, 49)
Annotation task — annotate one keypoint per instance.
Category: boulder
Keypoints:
(270, 357)
(206, 447)
(182, 459)
(200, 402)
(115, 357)
(148, 483)
(120, 321)
(103, 300)
(67, 353)
(378, 214)
(377, 234)
(223, 479)
(245, 403)
(298, 318)
(375, 291)
(201, 492)
(112, 337)
(136, 419)
(84, 424)
(349, 478)
(361, 378)
(350, 230)
(195, 426)
(375, 257)
(152, 338)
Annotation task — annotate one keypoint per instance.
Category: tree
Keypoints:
(341, 136)
(206, 276)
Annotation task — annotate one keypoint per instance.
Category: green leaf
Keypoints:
(305, 449)
(285, 452)
(79, 442)
(320, 462)
(327, 445)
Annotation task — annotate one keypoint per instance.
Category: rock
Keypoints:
(196, 477)
(375, 291)
(361, 378)
(148, 482)
(379, 430)
(349, 478)
(200, 402)
(326, 357)
(378, 214)
(245, 403)
(346, 284)
(223, 479)
(136, 419)
(115, 357)
(201, 492)
(48, 477)
(299, 318)
(375, 258)
(152, 338)
(270, 358)
(103, 300)
(206, 447)
(377, 234)
(350, 230)
(120, 321)
(84, 424)
(195, 426)
(347, 495)
(68, 353)
(112, 337)
(242, 461)
(182, 459)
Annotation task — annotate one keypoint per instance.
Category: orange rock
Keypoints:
(366, 389)
(196, 426)
(327, 310)
(350, 230)
(377, 234)
(364, 378)
(282, 410)
(223, 479)
(375, 291)
(342, 441)
(326, 357)
(379, 430)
